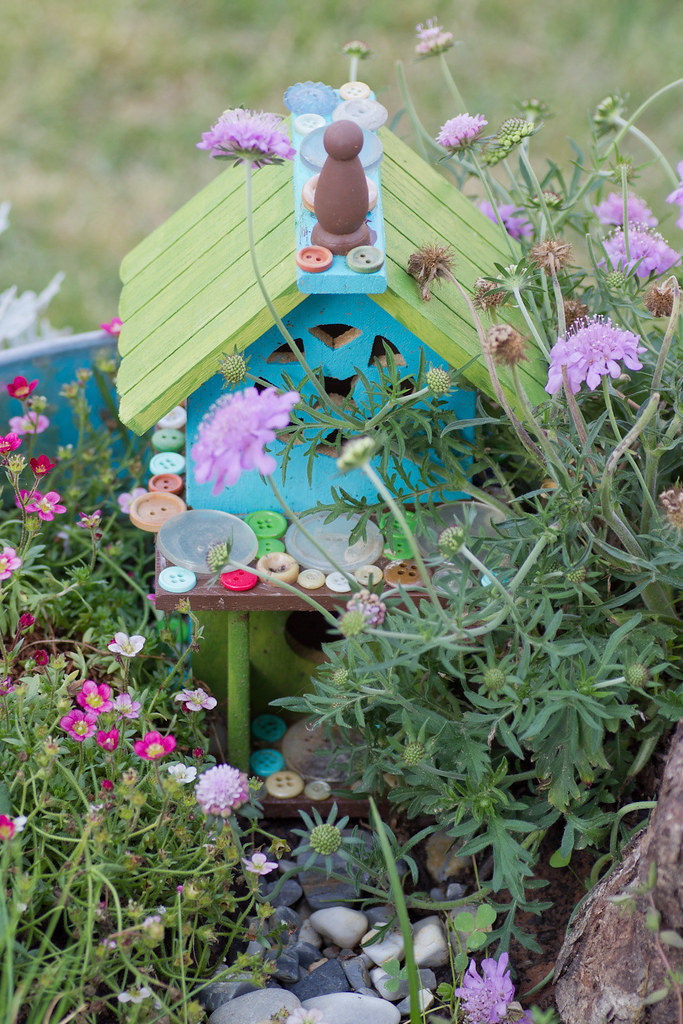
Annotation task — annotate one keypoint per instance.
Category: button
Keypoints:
(403, 573)
(365, 259)
(177, 580)
(317, 789)
(367, 113)
(279, 566)
(314, 258)
(150, 511)
(308, 193)
(398, 548)
(338, 583)
(354, 91)
(311, 579)
(167, 462)
(168, 440)
(239, 579)
(170, 482)
(268, 544)
(266, 762)
(283, 784)
(270, 728)
(267, 524)
(368, 575)
(304, 124)
(173, 420)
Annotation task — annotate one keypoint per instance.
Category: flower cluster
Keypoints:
(648, 253)
(461, 131)
(370, 606)
(486, 997)
(221, 790)
(514, 220)
(245, 135)
(432, 40)
(677, 195)
(611, 210)
(590, 351)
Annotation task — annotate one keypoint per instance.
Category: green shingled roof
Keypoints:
(189, 292)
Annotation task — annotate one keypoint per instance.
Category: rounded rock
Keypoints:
(341, 925)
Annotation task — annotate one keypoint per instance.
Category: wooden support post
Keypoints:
(238, 689)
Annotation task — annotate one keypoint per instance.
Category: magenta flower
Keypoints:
(677, 195)
(195, 700)
(30, 423)
(221, 790)
(591, 350)
(21, 388)
(41, 657)
(126, 707)
(79, 724)
(461, 131)
(153, 745)
(26, 621)
(611, 210)
(245, 135)
(95, 697)
(128, 646)
(6, 686)
(431, 39)
(9, 561)
(486, 998)
(108, 740)
(369, 605)
(42, 465)
(258, 864)
(234, 432)
(647, 251)
(47, 506)
(514, 219)
(89, 522)
(9, 443)
(7, 827)
(126, 499)
(113, 327)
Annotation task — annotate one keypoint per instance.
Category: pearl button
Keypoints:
(338, 583)
(284, 784)
(368, 575)
(304, 124)
(311, 579)
(173, 420)
(317, 789)
(279, 566)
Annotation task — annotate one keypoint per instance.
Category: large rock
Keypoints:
(255, 1007)
(353, 1008)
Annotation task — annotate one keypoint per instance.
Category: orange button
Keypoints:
(150, 511)
(169, 482)
(314, 258)
(404, 573)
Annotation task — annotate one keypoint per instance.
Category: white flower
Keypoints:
(135, 996)
(128, 646)
(182, 773)
(19, 822)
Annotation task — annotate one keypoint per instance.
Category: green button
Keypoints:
(398, 548)
(168, 440)
(267, 524)
(267, 545)
(365, 259)
(268, 727)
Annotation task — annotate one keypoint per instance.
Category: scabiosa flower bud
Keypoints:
(615, 280)
(217, 556)
(413, 753)
(636, 674)
(356, 48)
(659, 299)
(492, 153)
(352, 623)
(576, 575)
(551, 254)
(487, 294)
(672, 503)
(233, 368)
(451, 540)
(494, 679)
(439, 381)
(505, 344)
(609, 114)
(340, 677)
(552, 200)
(355, 453)
(325, 839)
(574, 310)
(512, 131)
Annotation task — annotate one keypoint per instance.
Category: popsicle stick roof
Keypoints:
(190, 295)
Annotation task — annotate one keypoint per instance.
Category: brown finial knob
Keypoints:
(341, 195)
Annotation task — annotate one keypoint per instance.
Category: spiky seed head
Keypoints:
(636, 674)
(233, 368)
(325, 839)
(672, 503)
(487, 294)
(352, 623)
(574, 310)
(451, 540)
(413, 753)
(217, 556)
(615, 280)
(551, 254)
(356, 48)
(355, 453)
(430, 263)
(659, 299)
(505, 344)
(439, 381)
(340, 677)
(576, 575)
(494, 679)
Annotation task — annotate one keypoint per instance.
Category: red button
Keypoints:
(238, 579)
(170, 482)
(314, 258)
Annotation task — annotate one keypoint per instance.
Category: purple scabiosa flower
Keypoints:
(611, 210)
(513, 218)
(258, 864)
(486, 998)
(234, 432)
(245, 135)
(221, 790)
(370, 606)
(461, 131)
(677, 195)
(431, 39)
(647, 251)
(590, 351)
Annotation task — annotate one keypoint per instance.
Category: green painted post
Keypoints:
(238, 690)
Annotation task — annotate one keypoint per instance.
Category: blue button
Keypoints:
(177, 580)
(266, 762)
(167, 462)
(268, 727)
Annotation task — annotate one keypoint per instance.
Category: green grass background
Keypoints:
(102, 103)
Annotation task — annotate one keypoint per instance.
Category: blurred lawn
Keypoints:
(103, 102)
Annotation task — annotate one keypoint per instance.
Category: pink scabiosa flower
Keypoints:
(258, 864)
(41, 466)
(9, 443)
(126, 707)
(591, 350)
(370, 606)
(79, 725)
(514, 219)
(461, 131)
(113, 326)
(648, 252)
(245, 135)
(95, 697)
(21, 388)
(30, 423)
(611, 210)
(126, 499)
(127, 646)
(46, 505)
(234, 432)
(9, 562)
(221, 790)
(677, 195)
(486, 999)
(153, 745)
(107, 739)
(195, 700)
(431, 39)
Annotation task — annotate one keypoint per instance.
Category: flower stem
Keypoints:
(530, 323)
(574, 410)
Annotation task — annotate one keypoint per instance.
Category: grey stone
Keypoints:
(307, 953)
(289, 893)
(388, 947)
(287, 966)
(369, 992)
(380, 979)
(322, 892)
(341, 925)
(220, 992)
(455, 891)
(425, 1000)
(309, 935)
(352, 1008)
(357, 973)
(255, 1006)
(379, 915)
(327, 978)
(330, 952)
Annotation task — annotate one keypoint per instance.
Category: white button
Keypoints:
(367, 113)
(304, 124)
(338, 582)
(354, 91)
(173, 420)
(311, 579)
(177, 580)
(368, 574)
(317, 789)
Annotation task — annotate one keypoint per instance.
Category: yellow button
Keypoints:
(354, 91)
(284, 784)
(368, 575)
(311, 579)
(279, 566)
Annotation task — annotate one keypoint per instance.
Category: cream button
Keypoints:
(317, 789)
(354, 91)
(311, 579)
(284, 784)
(368, 575)
(279, 566)
(173, 420)
(338, 583)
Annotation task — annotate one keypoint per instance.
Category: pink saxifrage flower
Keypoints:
(258, 864)
(677, 195)
(30, 423)
(648, 252)
(234, 432)
(514, 219)
(126, 499)
(41, 657)
(46, 505)
(126, 707)
(113, 326)
(592, 349)
(21, 388)
(221, 790)
(611, 210)
(90, 522)
(303, 1016)
(153, 745)
(6, 686)
(195, 700)
(9, 562)
(41, 466)
(431, 39)
(79, 725)
(107, 784)
(10, 826)
(486, 999)
(248, 135)
(95, 697)
(126, 646)
(9, 443)
(461, 131)
(107, 739)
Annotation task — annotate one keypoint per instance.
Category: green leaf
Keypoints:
(476, 940)
(464, 922)
(5, 805)
(486, 916)
(671, 938)
(559, 860)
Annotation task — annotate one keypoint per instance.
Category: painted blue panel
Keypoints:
(356, 349)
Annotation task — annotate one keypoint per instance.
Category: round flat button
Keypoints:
(239, 579)
(280, 566)
(402, 573)
(170, 482)
(314, 259)
(317, 789)
(311, 579)
(270, 728)
(177, 580)
(365, 259)
(168, 440)
(265, 762)
(367, 113)
(150, 511)
(268, 544)
(338, 583)
(304, 124)
(368, 575)
(267, 524)
(284, 784)
(398, 548)
(167, 462)
(173, 420)
(354, 91)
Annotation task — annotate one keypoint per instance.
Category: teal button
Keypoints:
(365, 259)
(266, 545)
(266, 762)
(167, 462)
(267, 524)
(177, 580)
(168, 440)
(270, 728)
